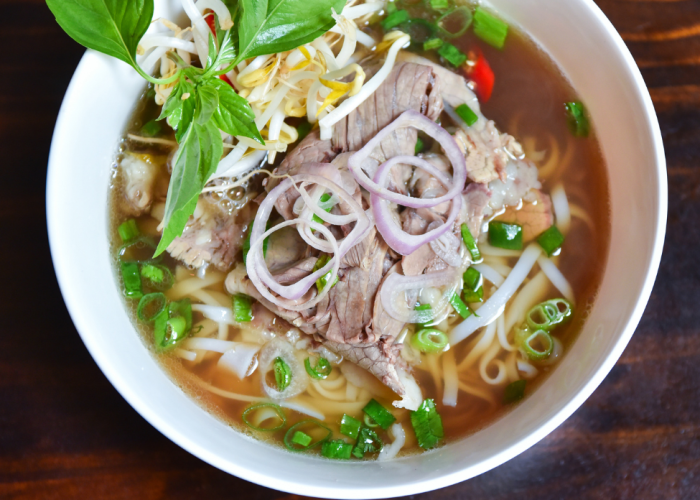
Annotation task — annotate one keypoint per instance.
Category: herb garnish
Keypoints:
(200, 104)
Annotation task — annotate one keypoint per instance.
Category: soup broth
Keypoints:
(528, 103)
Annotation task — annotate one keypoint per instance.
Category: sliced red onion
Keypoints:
(452, 151)
(393, 294)
(447, 247)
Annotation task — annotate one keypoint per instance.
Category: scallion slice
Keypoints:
(173, 325)
(548, 315)
(551, 240)
(514, 391)
(320, 371)
(470, 243)
(310, 426)
(151, 306)
(424, 307)
(132, 280)
(427, 424)
(455, 22)
(394, 19)
(301, 438)
(391, 7)
(379, 414)
(128, 231)
(369, 422)
(440, 4)
(283, 374)
(489, 28)
(433, 43)
(367, 442)
(242, 310)
(420, 146)
(144, 244)
(577, 119)
(473, 286)
(323, 280)
(182, 308)
(566, 310)
(336, 449)
(430, 340)
(466, 114)
(459, 306)
(259, 406)
(452, 54)
(537, 345)
(246, 244)
(350, 426)
(508, 236)
(324, 198)
(157, 276)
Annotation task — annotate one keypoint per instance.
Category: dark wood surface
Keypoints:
(66, 433)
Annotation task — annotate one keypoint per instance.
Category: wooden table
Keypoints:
(66, 433)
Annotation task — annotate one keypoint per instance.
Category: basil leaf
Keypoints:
(195, 161)
(270, 26)
(226, 55)
(179, 112)
(207, 103)
(113, 27)
(234, 115)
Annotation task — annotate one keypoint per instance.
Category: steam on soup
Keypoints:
(375, 242)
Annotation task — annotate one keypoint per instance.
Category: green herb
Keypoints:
(128, 231)
(459, 306)
(290, 438)
(466, 114)
(241, 305)
(515, 391)
(452, 54)
(337, 449)
(551, 240)
(489, 28)
(151, 306)
(283, 374)
(394, 19)
(508, 236)
(433, 43)
(367, 442)
(379, 414)
(470, 243)
(320, 371)
(303, 130)
(577, 119)
(429, 340)
(132, 280)
(427, 425)
(258, 406)
(349, 426)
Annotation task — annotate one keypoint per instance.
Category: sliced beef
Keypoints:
(535, 217)
(475, 200)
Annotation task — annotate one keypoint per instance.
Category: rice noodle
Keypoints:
(528, 297)
(489, 273)
(214, 345)
(390, 451)
(182, 353)
(449, 371)
(557, 278)
(489, 250)
(216, 313)
(528, 371)
(503, 334)
(489, 358)
(486, 395)
(187, 286)
(560, 203)
(495, 304)
(479, 348)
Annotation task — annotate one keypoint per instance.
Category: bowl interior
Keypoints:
(584, 44)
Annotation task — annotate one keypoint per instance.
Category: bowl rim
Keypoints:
(299, 487)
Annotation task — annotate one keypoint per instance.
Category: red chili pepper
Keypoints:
(226, 79)
(209, 18)
(481, 74)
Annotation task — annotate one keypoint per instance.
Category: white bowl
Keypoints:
(584, 43)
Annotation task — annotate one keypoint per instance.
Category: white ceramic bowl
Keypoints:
(583, 42)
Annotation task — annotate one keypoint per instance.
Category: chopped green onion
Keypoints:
(473, 286)
(452, 54)
(172, 325)
(350, 426)
(181, 308)
(466, 114)
(470, 243)
(151, 129)
(427, 425)
(323, 280)
(515, 391)
(369, 422)
(320, 371)
(577, 119)
(241, 306)
(138, 243)
(548, 315)
(324, 198)
(420, 146)
(303, 130)
(379, 414)
(177, 326)
(301, 438)
(459, 306)
(337, 449)
(433, 43)
(367, 442)
(258, 406)
(508, 236)
(424, 307)
(391, 7)
(459, 18)
(440, 4)
(430, 340)
(551, 240)
(394, 19)
(536, 346)
(158, 277)
(489, 28)
(291, 435)
(564, 307)
(150, 306)
(128, 231)
(246, 244)
(283, 374)
(132, 280)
